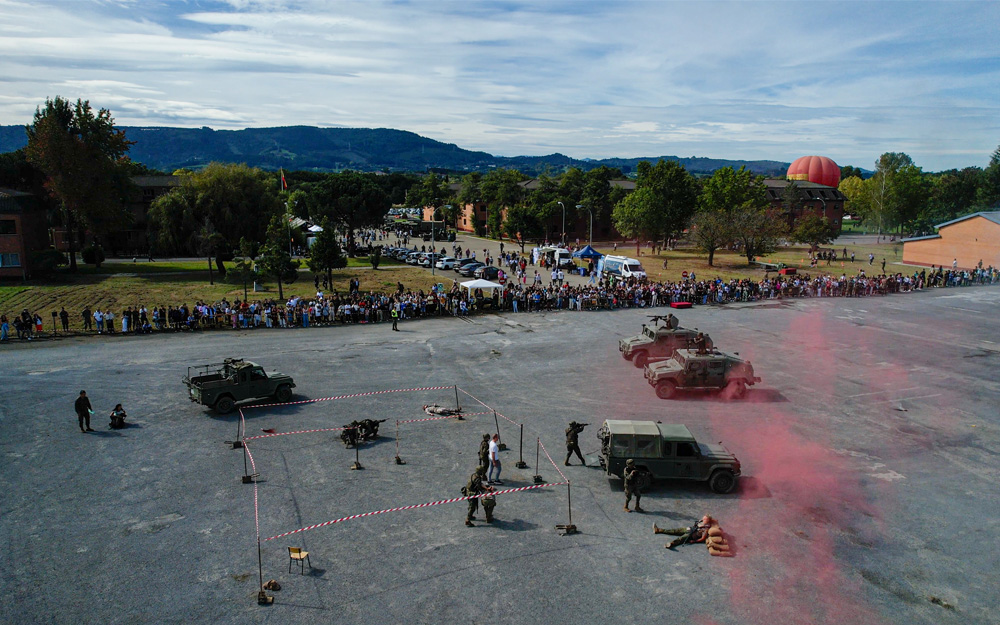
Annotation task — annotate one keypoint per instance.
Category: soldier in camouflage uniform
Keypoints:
(474, 487)
(633, 485)
(484, 451)
(573, 441)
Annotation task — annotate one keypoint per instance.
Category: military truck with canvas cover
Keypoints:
(692, 370)
(220, 386)
(666, 451)
(657, 342)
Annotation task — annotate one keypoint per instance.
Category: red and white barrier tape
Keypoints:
(256, 507)
(312, 401)
(484, 405)
(413, 507)
(253, 438)
(448, 416)
(558, 470)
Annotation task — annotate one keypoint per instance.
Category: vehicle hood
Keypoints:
(634, 341)
(712, 451)
(663, 366)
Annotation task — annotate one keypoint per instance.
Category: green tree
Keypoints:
(431, 191)
(521, 224)
(952, 193)
(501, 190)
(598, 194)
(711, 230)
(672, 200)
(238, 201)
(849, 171)
(543, 207)
(245, 263)
(791, 198)
(275, 261)
(729, 189)
(84, 159)
(758, 230)
(988, 195)
(350, 201)
(813, 229)
(325, 254)
(897, 192)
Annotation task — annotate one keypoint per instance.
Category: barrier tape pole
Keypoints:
(256, 522)
(312, 401)
(397, 440)
(457, 405)
(412, 507)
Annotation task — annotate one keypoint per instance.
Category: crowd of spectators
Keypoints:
(519, 294)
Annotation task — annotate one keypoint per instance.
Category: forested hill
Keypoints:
(363, 149)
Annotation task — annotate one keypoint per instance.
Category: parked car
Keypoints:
(470, 269)
(429, 259)
(414, 257)
(487, 272)
(446, 263)
(462, 262)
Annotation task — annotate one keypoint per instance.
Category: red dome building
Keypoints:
(818, 169)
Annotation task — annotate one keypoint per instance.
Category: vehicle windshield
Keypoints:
(681, 359)
(635, 268)
(649, 332)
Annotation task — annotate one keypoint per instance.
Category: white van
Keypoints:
(621, 266)
(558, 256)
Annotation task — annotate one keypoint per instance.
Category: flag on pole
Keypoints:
(284, 185)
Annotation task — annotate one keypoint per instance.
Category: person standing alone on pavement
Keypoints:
(83, 411)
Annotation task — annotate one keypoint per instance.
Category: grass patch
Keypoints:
(117, 291)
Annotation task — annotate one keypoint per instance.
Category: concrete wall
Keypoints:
(970, 241)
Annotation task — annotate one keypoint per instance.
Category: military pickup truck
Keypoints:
(711, 370)
(220, 386)
(657, 342)
(665, 451)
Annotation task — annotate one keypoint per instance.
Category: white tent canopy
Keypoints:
(315, 228)
(480, 284)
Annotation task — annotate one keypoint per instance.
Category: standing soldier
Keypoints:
(489, 502)
(633, 485)
(484, 451)
(699, 343)
(395, 317)
(474, 487)
(572, 441)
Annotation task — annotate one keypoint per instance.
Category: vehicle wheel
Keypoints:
(666, 389)
(225, 405)
(640, 359)
(628, 356)
(283, 394)
(722, 481)
(736, 389)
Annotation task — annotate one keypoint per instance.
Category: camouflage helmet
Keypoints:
(573, 424)
(481, 470)
(486, 437)
(630, 463)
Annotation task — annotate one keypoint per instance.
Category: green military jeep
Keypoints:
(657, 342)
(711, 370)
(220, 386)
(665, 451)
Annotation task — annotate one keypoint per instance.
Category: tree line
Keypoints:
(79, 160)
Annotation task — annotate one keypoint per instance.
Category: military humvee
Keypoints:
(713, 370)
(657, 342)
(220, 386)
(666, 452)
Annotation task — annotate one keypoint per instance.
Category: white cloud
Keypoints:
(739, 80)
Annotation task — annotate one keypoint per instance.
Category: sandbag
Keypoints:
(715, 530)
(720, 553)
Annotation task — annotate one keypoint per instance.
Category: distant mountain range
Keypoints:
(360, 149)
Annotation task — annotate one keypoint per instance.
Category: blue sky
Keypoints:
(748, 80)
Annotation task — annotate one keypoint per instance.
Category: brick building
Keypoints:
(968, 240)
(813, 199)
(22, 232)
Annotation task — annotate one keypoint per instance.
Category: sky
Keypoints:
(589, 79)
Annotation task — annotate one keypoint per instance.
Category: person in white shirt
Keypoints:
(494, 461)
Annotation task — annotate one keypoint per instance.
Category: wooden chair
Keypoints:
(294, 553)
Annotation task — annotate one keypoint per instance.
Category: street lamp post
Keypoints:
(562, 235)
(579, 206)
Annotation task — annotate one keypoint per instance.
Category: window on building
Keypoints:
(10, 260)
(8, 226)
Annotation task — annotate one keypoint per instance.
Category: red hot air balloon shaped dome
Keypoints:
(818, 169)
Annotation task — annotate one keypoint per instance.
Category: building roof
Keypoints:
(808, 191)
(993, 216)
(923, 238)
(14, 201)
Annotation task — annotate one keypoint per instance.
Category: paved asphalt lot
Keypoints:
(851, 511)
